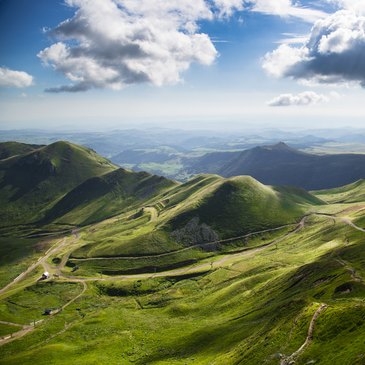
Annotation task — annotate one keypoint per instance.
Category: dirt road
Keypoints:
(287, 360)
(41, 261)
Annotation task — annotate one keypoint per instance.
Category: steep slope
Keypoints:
(103, 196)
(203, 211)
(281, 165)
(31, 182)
(239, 205)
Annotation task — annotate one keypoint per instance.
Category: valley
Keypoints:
(181, 154)
(144, 270)
(182, 182)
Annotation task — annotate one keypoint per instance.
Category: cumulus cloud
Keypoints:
(357, 6)
(304, 98)
(334, 52)
(11, 78)
(114, 43)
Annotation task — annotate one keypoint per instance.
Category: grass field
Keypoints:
(247, 310)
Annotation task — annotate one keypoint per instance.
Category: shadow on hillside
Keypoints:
(26, 175)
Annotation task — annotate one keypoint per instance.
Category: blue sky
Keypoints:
(186, 63)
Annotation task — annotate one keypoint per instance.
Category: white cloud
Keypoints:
(287, 8)
(11, 78)
(292, 38)
(113, 43)
(334, 52)
(357, 6)
(304, 98)
(278, 62)
(227, 7)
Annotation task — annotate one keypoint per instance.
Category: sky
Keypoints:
(101, 64)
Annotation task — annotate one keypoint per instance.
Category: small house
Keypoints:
(45, 275)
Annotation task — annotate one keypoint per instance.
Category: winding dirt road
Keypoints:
(153, 212)
(195, 268)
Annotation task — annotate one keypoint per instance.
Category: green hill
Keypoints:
(197, 214)
(240, 205)
(32, 182)
(103, 196)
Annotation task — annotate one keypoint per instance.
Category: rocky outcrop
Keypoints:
(195, 233)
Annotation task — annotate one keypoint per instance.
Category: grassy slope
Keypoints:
(233, 207)
(351, 193)
(32, 182)
(103, 196)
(136, 233)
(241, 205)
(243, 312)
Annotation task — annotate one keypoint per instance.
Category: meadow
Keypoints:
(249, 302)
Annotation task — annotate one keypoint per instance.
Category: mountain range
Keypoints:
(280, 164)
(70, 184)
(100, 264)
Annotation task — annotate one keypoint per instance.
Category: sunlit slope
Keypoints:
(143, 230)
(32, 182)
(351, 193)
(240, 205)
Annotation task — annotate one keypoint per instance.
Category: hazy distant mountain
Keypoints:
(210, 163)
(282, 165)
(138, 156)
